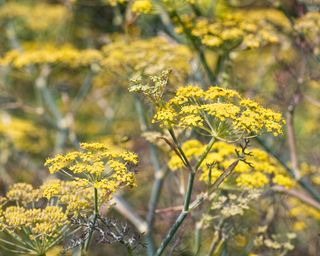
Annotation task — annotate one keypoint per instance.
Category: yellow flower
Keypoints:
(125, 57)
(55, 15)
(97, 165)
(51, 54)
(255, 180)
(299, 225)
(23, 193)
(220, 112)
(142, 6)
(236, 30)
(264, 167)
(283, 181)
(50, 189)
(24, 134)
(191, 148)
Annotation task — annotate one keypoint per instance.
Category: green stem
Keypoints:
(187, 199)
(182, 154)
(211, 76)
(172, 231)
(130, 251)
(197, 238)
(205, 153)
(220, 64)
(95, 217)
(165, 19)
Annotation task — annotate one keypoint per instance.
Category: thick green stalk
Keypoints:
(130, 251)
(187, 199)
(95, 217)
(172, 231)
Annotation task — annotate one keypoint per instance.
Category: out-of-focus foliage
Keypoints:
(71, 71)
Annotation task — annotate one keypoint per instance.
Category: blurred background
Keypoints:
(65, 70)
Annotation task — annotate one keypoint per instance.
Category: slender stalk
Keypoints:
(292, 142)
(205, 153)
(304, 198)
(13, 40)
(172, 231)
(15, 245)
(217, 248)
(216, 239)
(203, 60)
(95, 217)
(130, 251)
(83, 91)
(220, 64)
(165, 19)
(187, 198)
(47, 99)
(214, 186)
(182, 154)
(197, 238)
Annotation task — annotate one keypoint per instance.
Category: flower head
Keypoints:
(220, 112)
(96, 166)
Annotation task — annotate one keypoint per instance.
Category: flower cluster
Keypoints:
(264, 170)
(219, 112)
(277, 243)
(33, 223)
(23, 134)
(97, 166)
(302, 214)
(312, 171)
(231, 31)
(309, 26)
(230, 207)
(38, 219)
(77, 202)
(51, 54)
(125, 57)
(227, 206)
(233, 204)
(54, 15)
(142, 6)
(154, 89)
